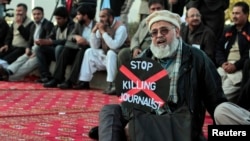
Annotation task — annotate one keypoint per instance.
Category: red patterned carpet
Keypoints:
(30, 112)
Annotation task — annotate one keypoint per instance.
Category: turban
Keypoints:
(163, 15)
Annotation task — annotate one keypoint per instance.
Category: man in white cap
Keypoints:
(194, 83)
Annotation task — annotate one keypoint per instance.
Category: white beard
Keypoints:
(164, 51)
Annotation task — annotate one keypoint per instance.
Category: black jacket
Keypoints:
(46, 28)
(199, 85)
(202, 36)
(228, 39)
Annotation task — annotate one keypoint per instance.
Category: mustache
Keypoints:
(19, 14)
(195, 20)
(161, 39)
(235, 19)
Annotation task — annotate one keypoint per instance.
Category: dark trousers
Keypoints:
(124, 56)
(111, 123)
(12, 54)
(72, 57)
(76, 68)
(44, 56)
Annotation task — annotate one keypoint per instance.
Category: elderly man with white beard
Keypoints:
(194, 83)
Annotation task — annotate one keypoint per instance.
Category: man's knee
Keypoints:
(123, 56)
(111, 109)
(221, 111)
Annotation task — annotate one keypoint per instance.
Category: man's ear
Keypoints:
(177, 30)
(111, 19)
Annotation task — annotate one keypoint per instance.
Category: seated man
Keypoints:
(194, 81)
(50, 49)
(110, 34)
(233, 50)
(195, 33)
(72, 53)
(141, 39)
(18, 35)
(236, 114)
(28, 61)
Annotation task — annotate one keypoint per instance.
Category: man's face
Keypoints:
(37, 15)
(60, 20)
(163, 33)
(155, 7)
(20, 11)
(238, 17)
(80, 18)
(164, 39)
(193, 17)
(105, 18)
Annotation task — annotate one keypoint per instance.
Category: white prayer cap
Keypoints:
(163, 15)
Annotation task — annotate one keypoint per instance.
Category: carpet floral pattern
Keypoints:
(30, 112)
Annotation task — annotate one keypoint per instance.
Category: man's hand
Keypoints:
(95, 28)
(80, 40)
(229, 67)
(19, 20)
(44, 42)
(224, 65)
(28, 52)
(32, 55)
(136, 52)
(101, 28)
(4, 48)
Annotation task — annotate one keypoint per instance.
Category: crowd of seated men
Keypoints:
(89, 46)
(30, 45)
